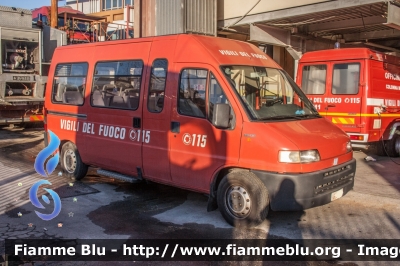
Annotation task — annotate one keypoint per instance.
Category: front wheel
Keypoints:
(243, 199)
(71, 162)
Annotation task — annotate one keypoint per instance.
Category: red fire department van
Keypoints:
(207, 114)
(358, 90)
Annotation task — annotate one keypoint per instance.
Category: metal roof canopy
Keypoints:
(348, 20)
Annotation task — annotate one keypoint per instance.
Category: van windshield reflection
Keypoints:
(269, 93)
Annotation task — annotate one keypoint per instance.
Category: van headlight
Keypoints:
(299, 156)
(348, 147)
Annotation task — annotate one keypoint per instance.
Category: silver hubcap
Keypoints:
(238, 201)
(70, 161)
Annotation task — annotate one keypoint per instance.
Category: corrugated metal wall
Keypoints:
(201, 16)
(186, 16)
(170, 17)
(53, 39)
(15, 17)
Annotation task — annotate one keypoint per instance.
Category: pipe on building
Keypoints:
(237, 21)
(54, 13)
(128, 20)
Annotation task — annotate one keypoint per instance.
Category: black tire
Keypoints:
(244, 188)
(393, 146)
(380, 151)
(71, 162)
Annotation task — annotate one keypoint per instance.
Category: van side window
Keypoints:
(155, 102)
(314, 79)
(116, 84)
(346, 78)
(69, 83)
(217, 95)
(192, 96)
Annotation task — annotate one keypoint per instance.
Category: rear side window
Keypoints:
(314, 79)
(155, 102)
(69, 83)
(192, 92)
(346, 78)
(116, 84)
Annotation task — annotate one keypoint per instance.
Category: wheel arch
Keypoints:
(216, 180)
(392, 129)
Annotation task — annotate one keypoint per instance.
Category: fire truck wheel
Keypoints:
(380, 151)
(71, 162)
(393, 146)
(243, 199)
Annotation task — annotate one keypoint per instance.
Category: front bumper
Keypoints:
(292, 192)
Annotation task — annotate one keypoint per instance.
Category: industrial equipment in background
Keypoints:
(25, 60)
(79, 27)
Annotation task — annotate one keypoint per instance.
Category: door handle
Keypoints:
(136, 122)
(175, 127)
(329, 105)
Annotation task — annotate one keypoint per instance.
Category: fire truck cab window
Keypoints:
(116, 84)
(346, 78)
(155, 101)
(192, 96)
(69, 83)
(314, 79)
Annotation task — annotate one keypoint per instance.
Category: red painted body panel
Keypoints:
(379, 85)
(166, 158)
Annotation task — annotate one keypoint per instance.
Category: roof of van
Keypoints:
(198, 48)
(342, 54)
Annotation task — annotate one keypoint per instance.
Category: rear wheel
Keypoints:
(380, 150)
(393, 146)
(243, 199)
(71, 162)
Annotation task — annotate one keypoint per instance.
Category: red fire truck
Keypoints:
(358, 90)
(75, 23)
(208, 114)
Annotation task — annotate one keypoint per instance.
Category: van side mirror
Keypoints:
(221, 115)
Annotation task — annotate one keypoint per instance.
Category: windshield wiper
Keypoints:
(297, 117)
(310, 115)
(279, 117)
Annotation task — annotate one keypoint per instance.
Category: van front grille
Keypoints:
(332, 185)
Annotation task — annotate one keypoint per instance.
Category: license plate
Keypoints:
(22, 78)
(336, 195)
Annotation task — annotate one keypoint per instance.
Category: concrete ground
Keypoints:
(104, 208)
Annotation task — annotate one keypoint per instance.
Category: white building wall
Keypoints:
(236, 8)
(85, 6)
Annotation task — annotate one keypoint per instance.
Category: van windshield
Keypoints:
(269, 93)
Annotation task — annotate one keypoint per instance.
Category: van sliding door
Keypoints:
(115, 139)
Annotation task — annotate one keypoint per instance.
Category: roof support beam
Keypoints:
(381, 34)
(393, 18)
(347, 24)
(297, 11)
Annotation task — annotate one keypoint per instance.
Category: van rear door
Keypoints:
(344, 94)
